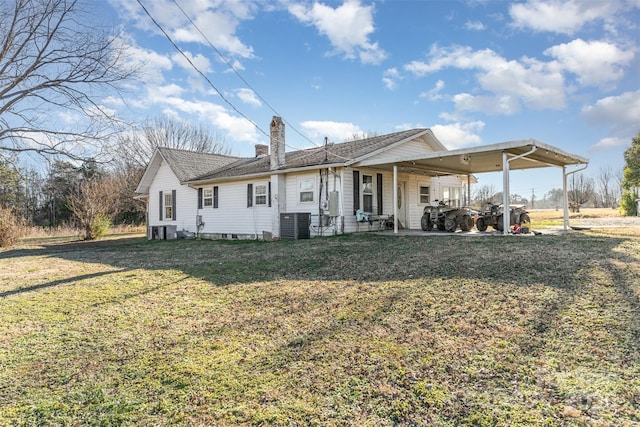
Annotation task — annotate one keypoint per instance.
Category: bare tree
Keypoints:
(580, 191)
(52, 59)
(607, 193)
(95, 199)
(356, 136)
(138, 147)
(484, 195)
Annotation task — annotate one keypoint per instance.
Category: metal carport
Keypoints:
(505, 156)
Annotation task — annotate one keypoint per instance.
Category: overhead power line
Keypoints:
(246, 83)
(185, 56)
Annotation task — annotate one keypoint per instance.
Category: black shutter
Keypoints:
(173, 204)
(379, 191)
(249, 195)
(199, 198)
(160, 204)
(269, 194)
(215, 197)
(356, 191)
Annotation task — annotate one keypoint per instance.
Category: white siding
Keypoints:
(186, 200)
(293, 193)
(232, 215)
(408, 149)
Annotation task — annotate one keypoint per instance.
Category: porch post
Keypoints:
(395, 199)
(468, 190)
(565, 200)
(505, 194)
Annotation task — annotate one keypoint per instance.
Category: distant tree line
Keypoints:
(84, 193)
(603, 191)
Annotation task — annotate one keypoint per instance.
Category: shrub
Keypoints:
(9, 228)
(100, 225)
(628, 205)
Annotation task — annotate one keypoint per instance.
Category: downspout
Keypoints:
(506, 215)
(565, 198)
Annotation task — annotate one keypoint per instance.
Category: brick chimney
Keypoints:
(262, 150)
(277, 143)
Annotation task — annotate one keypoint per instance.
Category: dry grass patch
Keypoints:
(353, 330)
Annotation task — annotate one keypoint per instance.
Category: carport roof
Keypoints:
(484, 158)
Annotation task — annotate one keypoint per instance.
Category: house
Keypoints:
(316, 191)
(333, 189)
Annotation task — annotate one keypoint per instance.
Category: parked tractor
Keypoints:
(493, 217)
(446, 218)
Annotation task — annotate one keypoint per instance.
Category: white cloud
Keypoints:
(434, 93)
(168, 98)
(458, 135)
(248, 97)
(529, 82)
(390, 78)
(347, 27)
(168, 90)
(606, 143)
(335, 131)
(561, 16)
(620, 113)
(199, 61)
(149, 63)
(218, 21)
(114, 100)
(505, 104)
(594, 62)
(474, 26)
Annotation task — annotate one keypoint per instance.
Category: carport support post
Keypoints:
(565, 195)
(565, 200)
(506, 214)
(395, 199)
(505, 194)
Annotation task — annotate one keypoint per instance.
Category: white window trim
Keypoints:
(430, 187)
(301, 181)
(367, 194)
(166, 207)
(256, 195)
(208, 198)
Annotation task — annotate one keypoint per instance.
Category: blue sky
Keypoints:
(476, 72)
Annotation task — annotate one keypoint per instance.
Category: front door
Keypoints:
(401, 202)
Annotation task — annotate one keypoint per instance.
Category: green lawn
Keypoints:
(351, 330)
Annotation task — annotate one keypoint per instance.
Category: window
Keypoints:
(168, 206)
(306, 190)
(367, 193)
(207, 197)
(261, 194)
(451, 194)
(424, 195)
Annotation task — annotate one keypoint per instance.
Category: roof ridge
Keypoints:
(198, 152)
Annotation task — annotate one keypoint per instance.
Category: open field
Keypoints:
(351, 330)
(597, 217)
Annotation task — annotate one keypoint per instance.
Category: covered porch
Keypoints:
(505, 157)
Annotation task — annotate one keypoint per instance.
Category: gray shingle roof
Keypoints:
(189, 164)
(335, 153)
